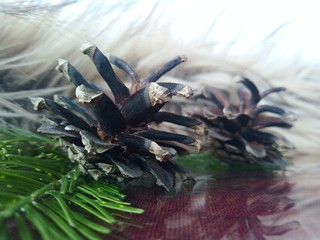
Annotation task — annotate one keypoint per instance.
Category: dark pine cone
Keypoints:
(112, 136)
(236, 132)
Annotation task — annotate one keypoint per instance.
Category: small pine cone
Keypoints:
(113, 136)
(236, 132)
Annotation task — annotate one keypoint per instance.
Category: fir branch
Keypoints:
(43, 194)
(207, 163)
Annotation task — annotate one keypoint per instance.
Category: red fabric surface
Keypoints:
(233, 205)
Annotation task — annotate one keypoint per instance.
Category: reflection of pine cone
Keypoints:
(236, 131)
(113, 137)
(226, 205)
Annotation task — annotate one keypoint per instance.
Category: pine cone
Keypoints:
(236, 132)
(112, 136)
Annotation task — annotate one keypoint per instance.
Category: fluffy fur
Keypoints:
(35, 33)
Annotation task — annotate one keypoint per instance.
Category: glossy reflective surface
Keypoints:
(234, 205)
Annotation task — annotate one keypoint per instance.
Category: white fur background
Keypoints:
(274, 43)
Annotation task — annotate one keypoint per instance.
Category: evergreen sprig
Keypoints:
(43, 194)
(207, 163)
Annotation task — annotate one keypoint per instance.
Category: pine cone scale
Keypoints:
(102, 64)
